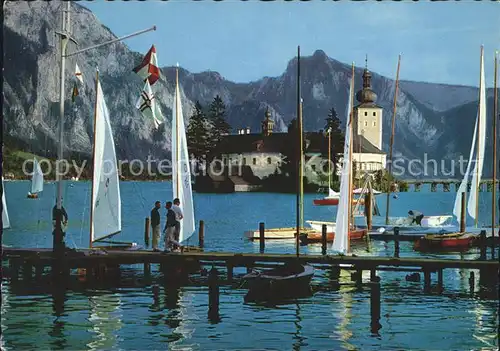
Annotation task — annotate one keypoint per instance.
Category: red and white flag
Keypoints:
(148, 69)
(78, 73)
(148, 106)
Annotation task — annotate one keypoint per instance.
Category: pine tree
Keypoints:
(217, 114)
(337, 138)
(198, 133)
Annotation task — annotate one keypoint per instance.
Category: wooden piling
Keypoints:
(482, 244)
(229, 272)
(323, 239)
(147, 271)
(368, 210)
(375, 302)
(213, 296)
(462, 214)
(396, 242)
(262, 237)
(201, 234)
(146, 231)
(433, 187)
(440, 280)
(472, 282)
(446, 187)
(427, 280)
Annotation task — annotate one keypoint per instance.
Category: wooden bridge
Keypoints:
(485, 184)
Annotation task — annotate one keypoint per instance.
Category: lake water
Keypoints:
(155, 316)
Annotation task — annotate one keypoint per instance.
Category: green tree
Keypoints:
(198, 133)
(333, 126)
(217, 117)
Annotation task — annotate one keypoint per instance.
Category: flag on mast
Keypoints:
(148, 69)
(78, 73)
(75, 93)
(148, 106)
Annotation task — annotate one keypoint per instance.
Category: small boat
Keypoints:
(328, 201)
(290, 281)
(36, 181)
(360, 191)
(444, 241)
(5, 213)
(316, 237)
(276, 233)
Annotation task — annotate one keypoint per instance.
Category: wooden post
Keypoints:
(213, 296)
(427, 280)
(262, 237)
(462, 214)
(440, 280)
(146, 232)
(472, 282)
(494, 163)
(396, 242)
(433, 187)
(201, 234)
(368, 210)
(229, 272)
(147, 271)
(482, 244)
(323, 239)
(375, 302)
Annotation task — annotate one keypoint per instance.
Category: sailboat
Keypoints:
(105, 210)
(181, 174)
(36, 180)
(460, 240)
(5, 213)
(344, 228)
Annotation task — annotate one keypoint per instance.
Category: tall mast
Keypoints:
(351, 115)
(479, 136)
(329, 159)
(177, 139)
(91, 236)
(58, 243)
(392, 141)
(495, 117)
(300, 185)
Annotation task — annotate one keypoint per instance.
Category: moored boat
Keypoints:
(316, 237)
(276, 233)
(290, 281)
(444, 241)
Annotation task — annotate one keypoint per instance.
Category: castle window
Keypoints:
(244, 161)
(374, 123)
(374, 114)
(269, 160)
(366, 113)
(254, 161)
(366, 123)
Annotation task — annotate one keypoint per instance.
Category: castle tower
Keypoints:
(368, 115)
(267, 124)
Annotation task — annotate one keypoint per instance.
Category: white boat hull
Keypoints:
(276, 233)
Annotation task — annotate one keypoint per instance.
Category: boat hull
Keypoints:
(276, 233)
(316, 237)
(335, 202)
(289, 281)
(444, 242)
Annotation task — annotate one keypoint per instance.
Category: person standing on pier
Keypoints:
(155, 224)
(169, 229)
(178, 216)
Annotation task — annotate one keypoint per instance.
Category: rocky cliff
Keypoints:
(432, 118)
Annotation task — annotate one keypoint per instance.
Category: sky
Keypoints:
(247, 40)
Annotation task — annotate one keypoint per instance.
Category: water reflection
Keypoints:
(58, 338)
(346, 302)
(298, 328)
(105, 318)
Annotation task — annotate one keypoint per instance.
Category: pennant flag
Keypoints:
(75, 93)
(148, 69)
(78, 73)
(148, 106)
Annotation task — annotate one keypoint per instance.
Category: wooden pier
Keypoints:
(484, 185)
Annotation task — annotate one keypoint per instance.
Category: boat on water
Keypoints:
(276, 233)
(5, 212)
(317, 237)
(36, 181)
(431, 242)
(291, 280)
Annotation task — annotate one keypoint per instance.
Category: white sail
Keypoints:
(181, 174)
(5, 213)
(478, 167)
(36, 178)
(106, 202)
(341, 239)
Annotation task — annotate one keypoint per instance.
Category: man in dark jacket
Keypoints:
(169, 230)
(155, 224)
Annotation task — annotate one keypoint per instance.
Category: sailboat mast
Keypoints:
(351, 116)
(177, 139)
(91, 236)
(478, 136)
(495, 117)
(392, 141)
(299, 156)
(329, 159)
